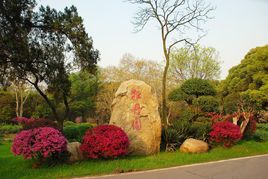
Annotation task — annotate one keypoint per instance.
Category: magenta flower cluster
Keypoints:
(105, 141)
(22, 120)
(39, 143)
(225, 132)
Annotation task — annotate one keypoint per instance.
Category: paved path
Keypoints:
(243, 168)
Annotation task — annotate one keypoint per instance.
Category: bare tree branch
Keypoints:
(175, 18)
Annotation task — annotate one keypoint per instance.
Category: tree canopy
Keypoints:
(198, 62)
(191, 89)
(42, 47)
(250, 78)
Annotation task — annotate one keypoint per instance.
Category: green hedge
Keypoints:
(75, 132)
(9, 129)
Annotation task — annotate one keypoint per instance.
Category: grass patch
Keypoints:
(16, 167)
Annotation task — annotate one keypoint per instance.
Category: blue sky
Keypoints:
(238, 26)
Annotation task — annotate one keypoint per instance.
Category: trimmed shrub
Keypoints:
(225, 132)
(68, 123)
(75, 132)
(105, 141)
(39, 143)
(207, 103)
(9, 129)
(198, 87)
(177, 95)
(200, 130)
(41, 122)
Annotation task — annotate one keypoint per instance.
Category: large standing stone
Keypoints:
(135, 110)
(194, 146)
(75, 153)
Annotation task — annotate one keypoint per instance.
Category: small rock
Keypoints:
(194, 146)
(75, 153)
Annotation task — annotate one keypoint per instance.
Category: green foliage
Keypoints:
(44, 39)
(179, 129)
(250, 79)
(84, 88)
(261, 134)
(42, 111)
(9, 129)
(207, 103)
(198, 87)
(75, 132)
(68, 123)
(191, 89)
(254, 99)
(230, 103)
(1, 138)
(178, 95)
(197, 62)
(200, 130)
(7, 106)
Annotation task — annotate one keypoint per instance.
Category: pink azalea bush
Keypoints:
(22, 120)
(39, 143)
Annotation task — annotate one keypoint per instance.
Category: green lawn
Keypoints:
(16, 167)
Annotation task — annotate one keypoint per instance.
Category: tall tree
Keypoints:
(197, 62)
(21, 91)
(249, 80)
(175, 18)
(41, 47)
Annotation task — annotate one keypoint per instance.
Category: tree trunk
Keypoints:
(17, 103)
(164, 101)
(52, 107)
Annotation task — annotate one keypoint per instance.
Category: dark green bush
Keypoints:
(230, 103)
(200, 130)
(178, 131)
(261, 133)
(177, 95)
(75, 132)
(68, 123)
(9, 129)
(191, 89)
(207, 103)
(198, 87)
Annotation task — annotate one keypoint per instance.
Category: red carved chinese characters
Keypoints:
(136, 109)
(135, 94)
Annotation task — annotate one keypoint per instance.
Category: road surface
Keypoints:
(255, 167)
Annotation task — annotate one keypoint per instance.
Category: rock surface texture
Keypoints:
(194, 146)
(135, 110)
(74, 149)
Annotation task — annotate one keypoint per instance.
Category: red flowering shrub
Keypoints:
(39, 143)
(22, 120)
(105, 141)
(225, 132)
